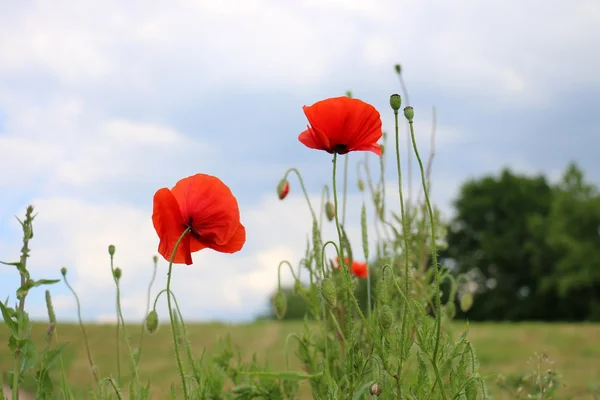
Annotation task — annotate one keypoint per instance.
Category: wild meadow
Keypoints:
(395, 338)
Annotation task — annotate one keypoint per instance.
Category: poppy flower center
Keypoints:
(340, 148)
(189, 226)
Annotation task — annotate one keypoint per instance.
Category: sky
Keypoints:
(104, 102)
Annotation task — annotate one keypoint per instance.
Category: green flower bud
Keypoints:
(398, 68)
(385, 317)
(111, 250)
(361, 185)
(329, 211)
(280, 304)
(117, 273)
(63, 271)
(466, 301)
(155, 259)
(152, 321)
(382, 149)
(328, 292)
(395, 102)
(450, 309)
(409, 113)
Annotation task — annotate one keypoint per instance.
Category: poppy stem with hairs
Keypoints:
(174, 328)
(405, 233)
(303, 189)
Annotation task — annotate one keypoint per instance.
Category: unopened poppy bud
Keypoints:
(386, 317)
(283, 189)
(395, 102)
(361, 185)
(329, 211)
(328, 292)
(375, 390)
(117, 273)
(63, 271)
(398, 68)
(450, 309)
(152, 321)
(382, 149)
(155, 259)
(409, 113)
(466, 301)
(280, 304)
(111, 250)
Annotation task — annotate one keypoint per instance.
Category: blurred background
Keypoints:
(103, 103)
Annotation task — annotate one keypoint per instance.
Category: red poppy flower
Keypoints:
(357, 268)
(205, 205)
(341, 125)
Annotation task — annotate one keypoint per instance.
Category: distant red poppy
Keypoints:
(341, 125)
(357, 268)
(205, 205)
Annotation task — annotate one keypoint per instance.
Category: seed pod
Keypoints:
(395, 102)
(111, 250)
(409, 113)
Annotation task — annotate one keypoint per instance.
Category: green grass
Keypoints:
(502, 348)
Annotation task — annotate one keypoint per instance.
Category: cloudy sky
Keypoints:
(104, 102)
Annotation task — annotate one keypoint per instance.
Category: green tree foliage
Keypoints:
(531, 248)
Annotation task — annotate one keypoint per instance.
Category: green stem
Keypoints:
(438, 300)
(312, 211)
(147, 307)
(118, 324)
(406, 254)
(172, 319)
(126, 336)
(345, 190)
(85, 337)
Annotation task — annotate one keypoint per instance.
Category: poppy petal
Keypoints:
(210, 206)
(169, 225)
(314, 139)
(235, 243)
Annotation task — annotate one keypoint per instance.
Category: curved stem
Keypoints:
(173, 327)
(147, 306)
(324, 193)
(85, 337)
(303, 189)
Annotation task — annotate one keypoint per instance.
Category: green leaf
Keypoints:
(45, 282)
(358, 394)
(53, 354)
(11, 323)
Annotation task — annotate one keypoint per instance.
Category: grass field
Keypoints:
(502, 348)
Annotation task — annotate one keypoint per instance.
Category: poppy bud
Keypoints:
(409, 113)
(283, 189)
(328, 292)
(386, 317)
(382, 149)
(330, 211)
(63, 271)
(398, 68)
(466, 301)
(152, 321)
(280, 304)
(395, 102)
(155, 259)
(361, 185)
(450, 309)
(117, 273)
(375, 390)
(111, 250)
